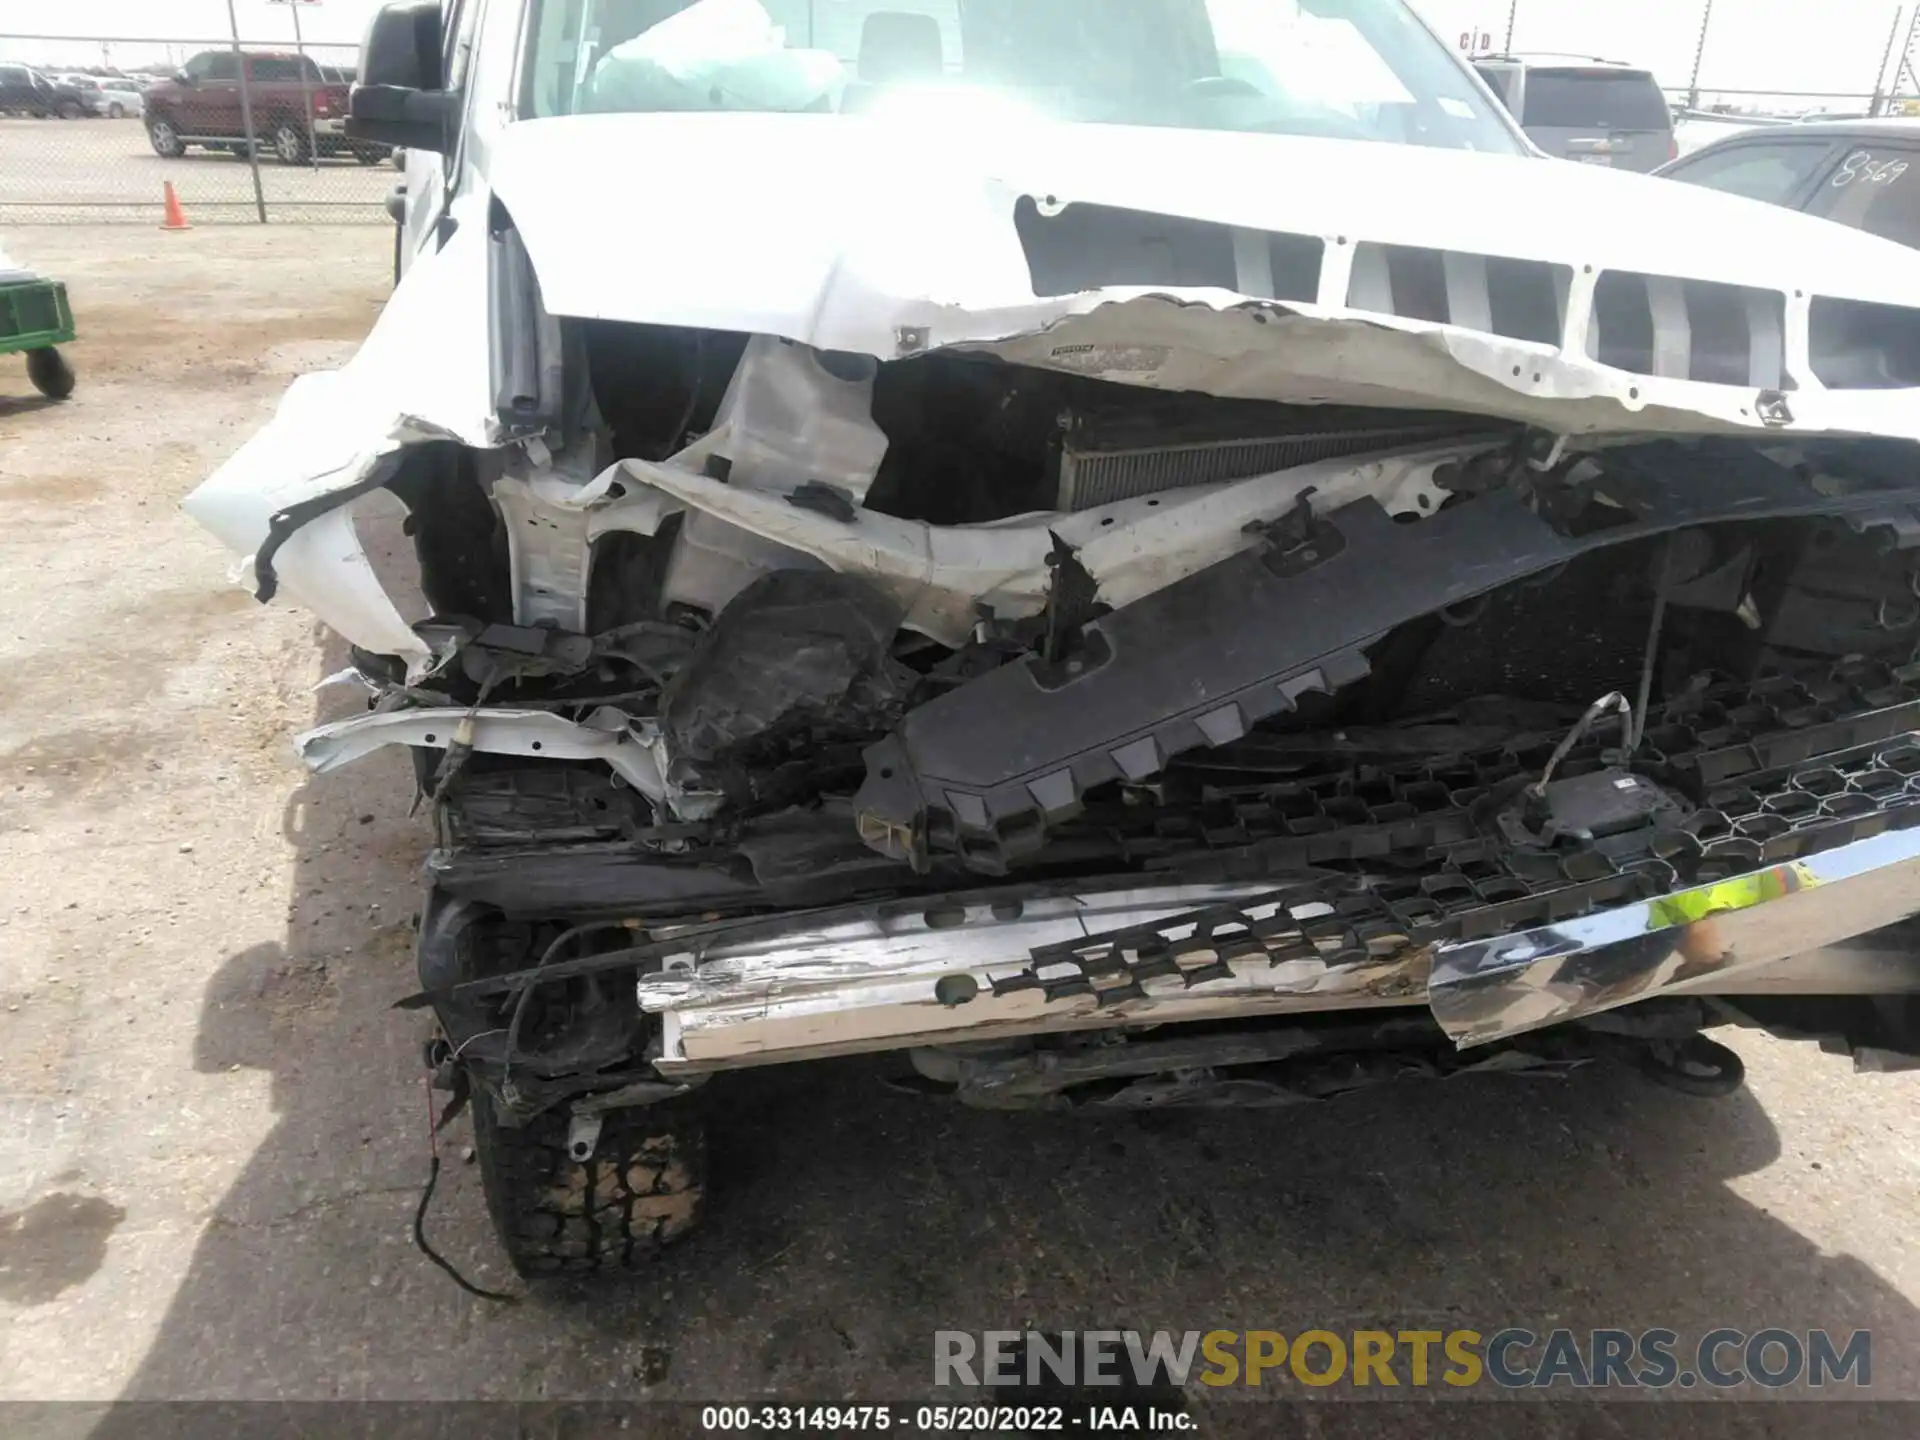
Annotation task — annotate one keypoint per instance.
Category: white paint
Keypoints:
(891, 239)
(942, 574)
(608, 736)
(834, 230)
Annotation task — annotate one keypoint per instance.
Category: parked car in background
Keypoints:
(93, 95)
(1862, 173)
(296, 111)
(1597, 111)
(25, 91)
(123, 97)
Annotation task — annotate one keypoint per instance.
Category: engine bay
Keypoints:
(1472, 595)
(772, 673)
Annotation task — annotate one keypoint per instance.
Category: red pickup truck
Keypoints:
(297, 110)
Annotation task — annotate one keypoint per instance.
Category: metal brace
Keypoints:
(1550, 459)
(640, 1092)
(583, 1134)
(1297, 540)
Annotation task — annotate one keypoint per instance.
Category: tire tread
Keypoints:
(641, 1190)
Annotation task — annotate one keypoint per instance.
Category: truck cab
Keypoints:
(293, 109)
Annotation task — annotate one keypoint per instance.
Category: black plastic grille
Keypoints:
(1830, 777)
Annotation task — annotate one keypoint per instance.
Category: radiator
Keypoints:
(1095, 470)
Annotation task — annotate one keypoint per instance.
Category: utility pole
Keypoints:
(1699, 53)
(246, 115)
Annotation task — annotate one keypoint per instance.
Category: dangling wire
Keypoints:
(426, 1198)
(1633, 717)
(1612, 700)
(1645, 696)
(547, 957)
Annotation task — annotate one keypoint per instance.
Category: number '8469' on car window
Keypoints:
(1860, 167)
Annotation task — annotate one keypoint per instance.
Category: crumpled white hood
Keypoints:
(896, 239)
(890, 237)
(796, 219)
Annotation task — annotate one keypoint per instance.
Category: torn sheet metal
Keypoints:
(421, 375)
(608, 735)
(944, 574)
(895, 241)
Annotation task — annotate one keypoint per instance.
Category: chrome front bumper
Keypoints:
(1726, 938)
(925, 974)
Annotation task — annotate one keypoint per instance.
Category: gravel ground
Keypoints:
(211, 1131)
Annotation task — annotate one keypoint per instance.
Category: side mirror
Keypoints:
(184, 78)
(401, 97)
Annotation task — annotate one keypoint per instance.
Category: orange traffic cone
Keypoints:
(176, 217)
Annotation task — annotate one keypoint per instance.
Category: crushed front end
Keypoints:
(1080, 733)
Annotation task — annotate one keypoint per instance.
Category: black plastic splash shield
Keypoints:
(986, 769)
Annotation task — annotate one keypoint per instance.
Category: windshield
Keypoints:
(1349, 69)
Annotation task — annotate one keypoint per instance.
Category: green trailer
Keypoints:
(35, 317)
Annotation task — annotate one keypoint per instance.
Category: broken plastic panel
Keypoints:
(792, 417)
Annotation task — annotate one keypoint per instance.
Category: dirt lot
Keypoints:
(211, 1131)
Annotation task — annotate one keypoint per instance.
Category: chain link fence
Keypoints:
(92, 130)
(1701, 116)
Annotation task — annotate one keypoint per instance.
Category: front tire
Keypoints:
(290, 143)
(116, 112)
(165, 140)
(641, 1189)
(50, 373)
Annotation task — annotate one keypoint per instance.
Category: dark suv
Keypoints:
(1596, 111)
(25, 91)
(295, 109)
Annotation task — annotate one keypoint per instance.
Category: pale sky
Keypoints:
(1756, 44)
(330, 22)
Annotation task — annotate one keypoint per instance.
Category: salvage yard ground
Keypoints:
(212, 1125)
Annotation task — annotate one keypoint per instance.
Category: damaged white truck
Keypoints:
(1128, 553)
